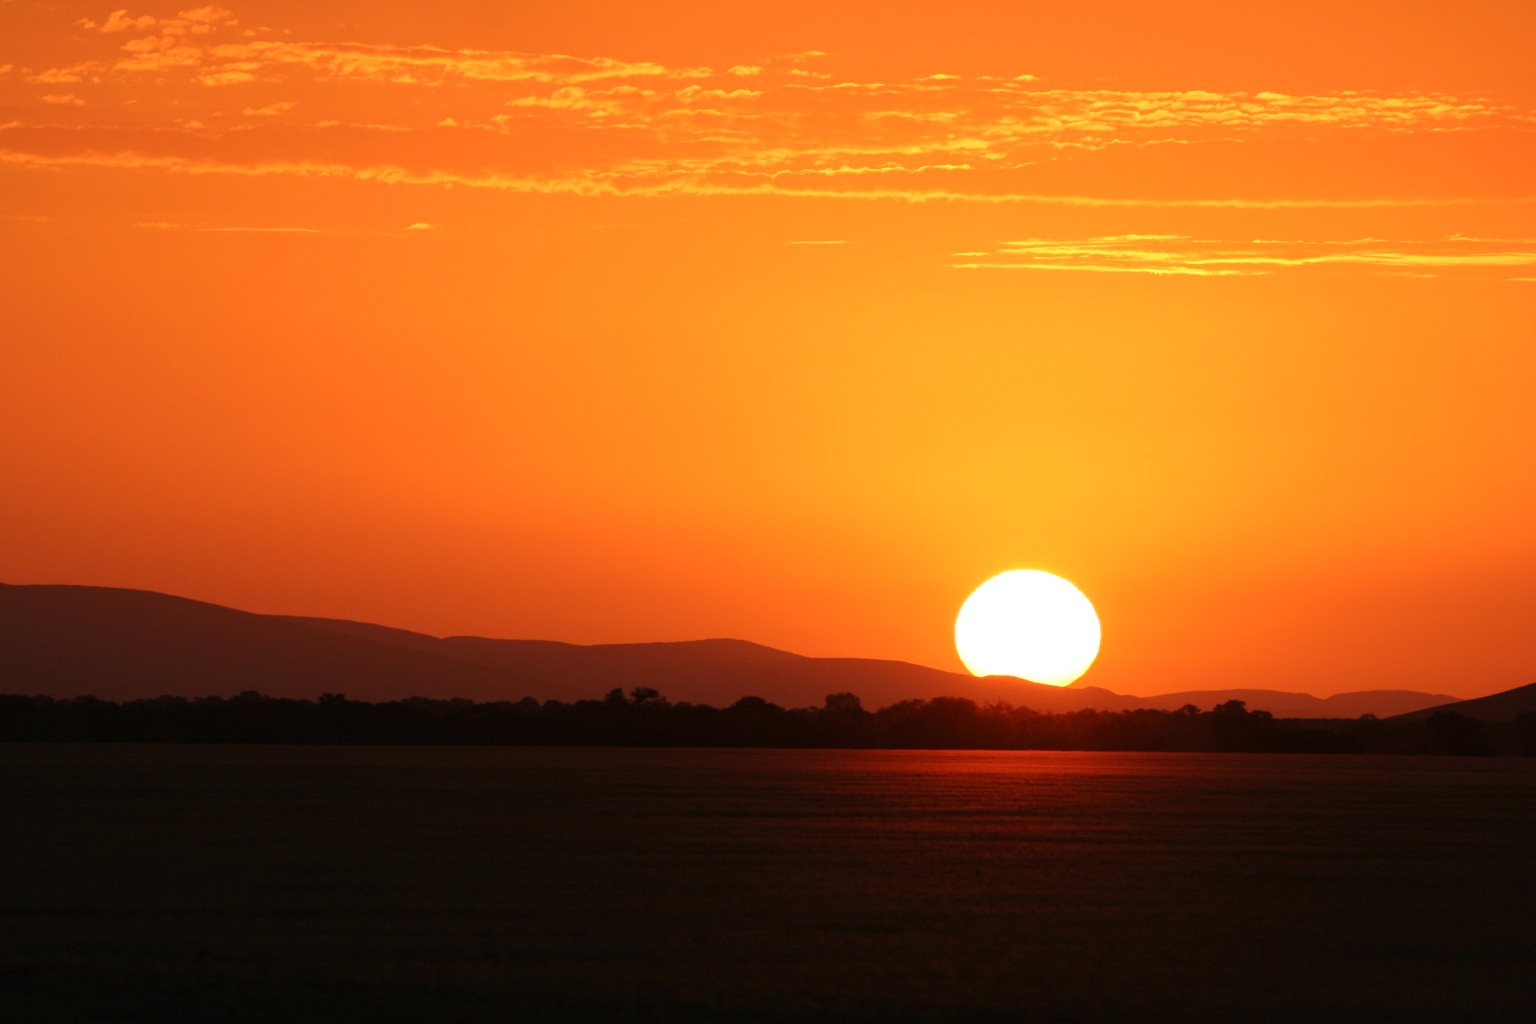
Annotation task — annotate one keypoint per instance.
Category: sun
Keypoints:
(1030, 624)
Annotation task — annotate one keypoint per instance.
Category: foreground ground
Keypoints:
(400, 883)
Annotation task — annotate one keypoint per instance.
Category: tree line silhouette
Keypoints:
(644, 717)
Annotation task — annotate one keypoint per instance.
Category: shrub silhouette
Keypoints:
(1451, 733)
(645, 717)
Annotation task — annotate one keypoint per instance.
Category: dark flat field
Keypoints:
(410, 883)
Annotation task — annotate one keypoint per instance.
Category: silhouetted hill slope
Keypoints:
(1496, 707)
(720, 672)
(1381, 703)
(65, 641)
(125, 644)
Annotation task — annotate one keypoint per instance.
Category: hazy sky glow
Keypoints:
(788, 321)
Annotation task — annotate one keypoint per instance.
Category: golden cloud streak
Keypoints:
(617, 185)
(597, 125)
(1177, 254)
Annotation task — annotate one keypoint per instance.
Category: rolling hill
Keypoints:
(1496, 707)
(66, 641)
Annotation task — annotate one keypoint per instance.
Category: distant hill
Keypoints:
(125, 644)
(1496, 707)
(66, 641)
(1381, 703)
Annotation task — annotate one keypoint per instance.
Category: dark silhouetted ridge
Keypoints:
(1497, 707)
(67, 641)
(1382, 703)
(125, 644)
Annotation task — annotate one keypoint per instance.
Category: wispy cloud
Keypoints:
(159, 225)
(270, 110)
(1198, 257)
(119, 21)
(84, 71)
(432, 65)
(626, 182)
(786, 125)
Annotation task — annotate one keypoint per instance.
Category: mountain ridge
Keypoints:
(66, 640)
(1504, 706)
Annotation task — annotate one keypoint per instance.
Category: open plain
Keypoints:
(408, 883)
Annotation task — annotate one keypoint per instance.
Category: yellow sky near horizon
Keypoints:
(789, 322)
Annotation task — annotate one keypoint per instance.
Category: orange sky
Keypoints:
(788, 321)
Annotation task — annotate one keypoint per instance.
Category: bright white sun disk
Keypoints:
(1030, 624)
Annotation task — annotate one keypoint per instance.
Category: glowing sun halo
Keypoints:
(1030, 624)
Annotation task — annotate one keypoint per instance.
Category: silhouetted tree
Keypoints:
(843, 720)
(1235, 728)
(1524, 729)
(1453, 733)
(644, 717)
